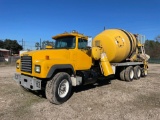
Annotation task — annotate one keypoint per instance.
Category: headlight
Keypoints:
(37, 68)
(17, 65)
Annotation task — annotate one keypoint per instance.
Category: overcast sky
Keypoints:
(35, 19)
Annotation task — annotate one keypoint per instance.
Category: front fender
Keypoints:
(60, 66)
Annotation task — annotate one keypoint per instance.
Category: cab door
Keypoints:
(82, 55)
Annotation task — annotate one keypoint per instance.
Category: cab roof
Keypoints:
(73, 33)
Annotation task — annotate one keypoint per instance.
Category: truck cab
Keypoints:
(36, 69)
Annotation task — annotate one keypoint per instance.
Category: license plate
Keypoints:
(38, 84)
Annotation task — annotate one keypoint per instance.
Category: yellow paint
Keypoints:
(106, 66)
(115, 44)
(96, 53)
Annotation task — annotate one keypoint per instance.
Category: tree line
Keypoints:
(11, 45)
(152, 48)
(43, 45)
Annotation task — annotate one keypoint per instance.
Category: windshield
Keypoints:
(65, 42)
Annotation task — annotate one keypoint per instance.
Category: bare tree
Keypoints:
(37, 45)
(158, 38)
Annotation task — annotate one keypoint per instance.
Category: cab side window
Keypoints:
(82, 43)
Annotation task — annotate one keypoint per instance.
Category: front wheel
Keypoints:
(58, 90)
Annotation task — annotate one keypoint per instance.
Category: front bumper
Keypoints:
(28, 82)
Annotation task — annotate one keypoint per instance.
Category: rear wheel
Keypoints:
(58, 90)
(137, 72)
(122, 74)
(129, 74)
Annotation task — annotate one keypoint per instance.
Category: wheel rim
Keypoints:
(139, 73)
(63, 88)
(131, 74)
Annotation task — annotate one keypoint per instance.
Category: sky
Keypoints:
(32, 20)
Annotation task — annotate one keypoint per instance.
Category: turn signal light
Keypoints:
(47, 57)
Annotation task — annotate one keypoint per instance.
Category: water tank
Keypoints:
(116, 43)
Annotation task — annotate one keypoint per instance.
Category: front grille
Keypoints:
(26, 64)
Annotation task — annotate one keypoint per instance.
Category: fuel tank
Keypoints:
(116, 43)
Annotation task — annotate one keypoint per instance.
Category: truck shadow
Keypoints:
(100, 82)
(40, 93)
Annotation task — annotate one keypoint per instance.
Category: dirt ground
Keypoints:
(119, 100)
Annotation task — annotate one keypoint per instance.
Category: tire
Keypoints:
(58, 90)
(137, 72)
(144, 73)
(129, 74)
(122, 74)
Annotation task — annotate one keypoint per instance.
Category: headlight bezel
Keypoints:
(37, 68)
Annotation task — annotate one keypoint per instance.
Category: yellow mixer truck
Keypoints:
(114, 52)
